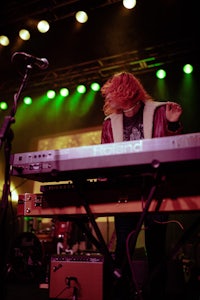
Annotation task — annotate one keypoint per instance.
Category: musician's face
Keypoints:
(128, 104)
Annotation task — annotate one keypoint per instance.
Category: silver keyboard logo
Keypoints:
(118, 148)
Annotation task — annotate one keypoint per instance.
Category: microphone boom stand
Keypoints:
(6, 136)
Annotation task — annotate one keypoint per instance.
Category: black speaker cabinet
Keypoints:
(74, 277)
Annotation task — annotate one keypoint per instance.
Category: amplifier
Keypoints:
(76, 277)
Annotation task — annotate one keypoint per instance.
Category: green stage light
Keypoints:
(27, 100)
(81, 89)
(95, 86)
(161, 74)
(187, 69)
(51, 94)
(64, 92)
(3, 105)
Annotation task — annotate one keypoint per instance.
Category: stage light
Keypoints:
(27, 100)
(161, 74)
(95, 86)
(4, 40)
(81, 17)
(3, 105)
(24, 34)
(129, 4)
(81, 89)
(43, 26)
(51, 94)
(187, 69)
(64, 92)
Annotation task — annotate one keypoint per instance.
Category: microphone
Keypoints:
(41, 63)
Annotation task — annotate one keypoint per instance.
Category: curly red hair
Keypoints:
(122, 88)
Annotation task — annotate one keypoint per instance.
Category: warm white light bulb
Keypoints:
(129, 4)
(81, 17)
(24, 34)
(4, 40)
(43, 26)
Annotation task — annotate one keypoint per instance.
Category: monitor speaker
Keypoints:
(76, 277)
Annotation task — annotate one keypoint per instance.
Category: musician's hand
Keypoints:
(173, 111)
